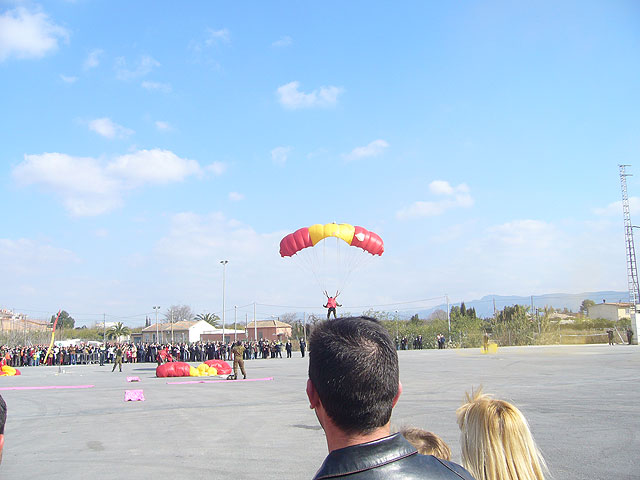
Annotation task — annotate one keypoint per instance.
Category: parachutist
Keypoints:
(331, 304)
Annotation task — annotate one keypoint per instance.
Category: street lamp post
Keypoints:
(224, 272)
(235, 321)
(157, 336)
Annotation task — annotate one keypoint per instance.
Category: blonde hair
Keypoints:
(496, 441)
(426, 443)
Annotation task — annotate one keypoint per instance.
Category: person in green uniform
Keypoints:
(238, 352)
(118, 360)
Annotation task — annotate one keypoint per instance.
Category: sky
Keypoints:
(142, 143)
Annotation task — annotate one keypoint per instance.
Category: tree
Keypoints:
(65, 320)
(437, 314)
(379, 315)
(515, 324)
(211, 318)
(584, 306)
(118, 330)
(179, 313)
(415, 320)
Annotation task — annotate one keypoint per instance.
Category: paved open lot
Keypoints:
(583, 404)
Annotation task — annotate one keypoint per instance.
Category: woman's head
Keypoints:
(496, 441)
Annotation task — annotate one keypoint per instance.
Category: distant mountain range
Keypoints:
(572, 301)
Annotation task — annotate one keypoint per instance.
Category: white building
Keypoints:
(609, 311)
(178, 332)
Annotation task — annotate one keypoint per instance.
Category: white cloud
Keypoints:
(292, 98)
(534, 234)
(216, 36)
(108, 129)
(615, 209)
(28, 34)
(195, 244)
(153, 166)
(455, 197)
(373, 149)
(163, 126)
(235, 196)
(141, 68)
(280, 155)
(101, 232)
(93, 59)
(157, 86)
(440, 187)
(81, 182)
(217, 168)
(28, 257)
(67, 79)
(88, 187)
(283, 41)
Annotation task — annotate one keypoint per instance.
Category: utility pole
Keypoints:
(171, 320)
(304, 326)
(235, 323)
(397, 331)
(632, 272)
(157, 329)
(448, 315)
(104, 329)
(255, 324)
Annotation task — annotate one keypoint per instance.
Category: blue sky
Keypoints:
(143, 143)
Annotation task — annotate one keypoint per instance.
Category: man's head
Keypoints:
(353, 368)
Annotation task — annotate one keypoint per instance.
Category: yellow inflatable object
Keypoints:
(8, 370)
(491, 348)
(319, 232)
(203, 370)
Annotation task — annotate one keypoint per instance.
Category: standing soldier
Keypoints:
(238, 351)
(118, 360)
(303, 345)
(610, 334)
(289, 347)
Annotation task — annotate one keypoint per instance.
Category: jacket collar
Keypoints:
(365, 456)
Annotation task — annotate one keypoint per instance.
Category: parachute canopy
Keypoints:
(210, 368)
(309, 236)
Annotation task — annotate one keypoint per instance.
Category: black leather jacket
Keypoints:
(389, 457)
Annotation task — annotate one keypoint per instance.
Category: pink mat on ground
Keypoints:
(133, 379)
(133, 396)
(222, 381)
(49, 387)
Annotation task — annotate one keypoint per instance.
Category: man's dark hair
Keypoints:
(353, 366)
(3, 414)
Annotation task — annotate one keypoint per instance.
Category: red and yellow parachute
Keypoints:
(330, 261)
(310, 236)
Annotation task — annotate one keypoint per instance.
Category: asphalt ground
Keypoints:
(582, 403)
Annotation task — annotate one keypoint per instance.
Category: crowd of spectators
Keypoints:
(90, 353)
